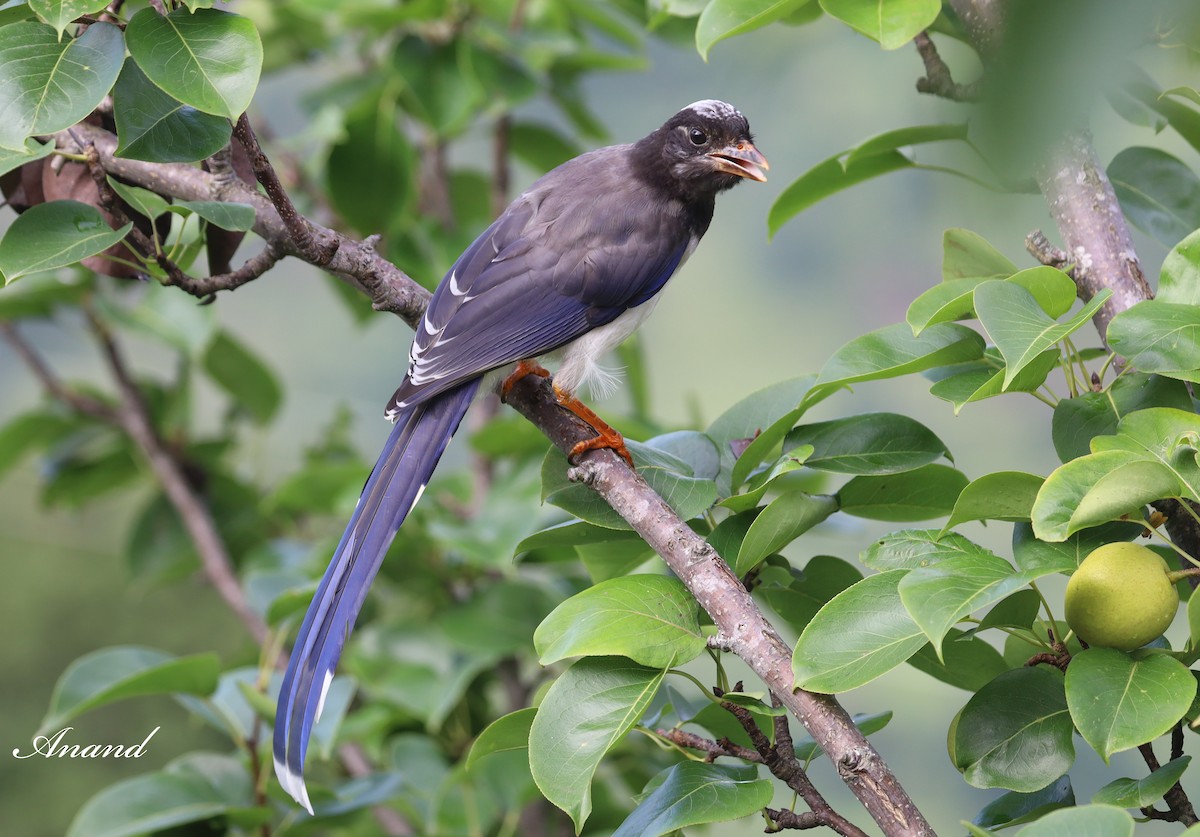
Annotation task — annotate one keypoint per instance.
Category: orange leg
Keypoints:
(524, 367)
(606, 436)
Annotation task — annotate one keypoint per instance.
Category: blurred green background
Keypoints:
(745, 312)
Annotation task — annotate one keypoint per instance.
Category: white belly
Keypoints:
(581, 358)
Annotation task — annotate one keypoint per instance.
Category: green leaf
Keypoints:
(1012, 808)
(540, 146)
(1081, 821)
(1080, 419)
(436, 90)
(1019, 327)
(370, 171)
(52, 235)
(159, 128)
(165, 315)
(966, 662)
(1098, 488)
(1151, 457)
(755, 425)
(585, 713)
(238, 217)
(506, 733)
(967, 255)
(723, 19)
(1031, 554)
(32, 150)
(22, 435)
(1118, 702)
(573, 533)
(1179, 280)
(112, 674)
(651, 619)
(869, 443)
(953, 299)
(904, 137)
(208, 59)
(143, 201)
(243, 376)
(909, 549)
(694, 794)
(893, 23)
(939, 596)
(1142, 793)
(1158, 193)
(363, 792)
(927, 492)
(1015, 732)
(666, 474)
(982, 381)
(893, 351)
(47, 84)
(145, 804)
(1004, 495)
(824, 577)
(860, 634)
(1159, 337)
(766, 481)
(827, 178)
(785, 519)
(60, 13)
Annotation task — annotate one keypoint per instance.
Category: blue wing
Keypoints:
(554, 266)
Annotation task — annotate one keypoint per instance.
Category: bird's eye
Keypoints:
(697, 136)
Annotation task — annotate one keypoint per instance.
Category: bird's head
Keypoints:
(706, 148)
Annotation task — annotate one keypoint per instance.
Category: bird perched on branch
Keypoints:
(571, 267)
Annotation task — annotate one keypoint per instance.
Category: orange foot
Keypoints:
(606, 436)
(524, 368)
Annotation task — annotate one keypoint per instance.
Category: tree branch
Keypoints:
(937, 80)
(696, 563)
(314, 244)
(356, 262)
(733, 611)
(1089, 219)
(133, 417)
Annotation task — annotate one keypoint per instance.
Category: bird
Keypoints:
(570, 269)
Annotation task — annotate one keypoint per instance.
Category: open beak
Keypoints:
(742, 159)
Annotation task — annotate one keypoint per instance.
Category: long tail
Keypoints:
(393, 489)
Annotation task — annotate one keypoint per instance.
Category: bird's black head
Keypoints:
(704, 149)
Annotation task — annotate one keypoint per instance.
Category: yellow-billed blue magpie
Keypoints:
(572, 266)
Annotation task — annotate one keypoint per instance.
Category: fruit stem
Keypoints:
(1174, 576)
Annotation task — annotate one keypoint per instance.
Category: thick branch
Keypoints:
(721, 594)
(1089, 219)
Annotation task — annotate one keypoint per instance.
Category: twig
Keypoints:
(1179, 807)
(780, 759)
(50, 382)
(388, 287)
(311, 241)
(712, 749)
(134, 417)
(357, 765)
(205, 288)
(937, 80)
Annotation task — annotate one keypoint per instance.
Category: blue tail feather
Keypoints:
(393, 489)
